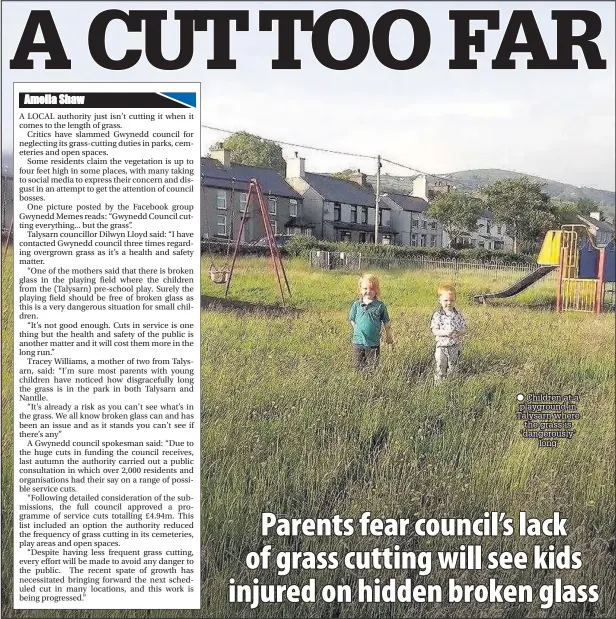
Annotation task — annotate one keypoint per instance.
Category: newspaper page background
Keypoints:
(326, 492)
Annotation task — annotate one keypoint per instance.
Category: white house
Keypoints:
(408, 218)
(489, 233)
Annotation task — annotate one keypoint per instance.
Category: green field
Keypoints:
(288, 427)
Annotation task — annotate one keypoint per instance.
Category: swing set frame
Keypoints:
(254, 190)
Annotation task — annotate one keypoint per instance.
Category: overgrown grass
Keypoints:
(288, 427)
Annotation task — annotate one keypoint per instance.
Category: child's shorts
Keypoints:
(366, 356)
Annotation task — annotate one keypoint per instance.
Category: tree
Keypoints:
(457, 212)
(248, 149)
(522, 206)
(345, 175)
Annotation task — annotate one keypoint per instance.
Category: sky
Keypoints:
(557, 124)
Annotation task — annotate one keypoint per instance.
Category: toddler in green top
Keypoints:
(367, 315)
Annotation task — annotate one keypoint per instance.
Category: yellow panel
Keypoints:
(550, 250)
(579, 295)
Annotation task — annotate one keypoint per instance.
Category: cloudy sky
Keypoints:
(555, 124)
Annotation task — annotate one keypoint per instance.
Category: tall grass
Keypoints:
(288, 427)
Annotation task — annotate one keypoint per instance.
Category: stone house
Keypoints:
(488, 235)
(224, 194)
(602, 230)
(341, 210)
(408, 218)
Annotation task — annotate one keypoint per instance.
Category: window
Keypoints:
(354, 214)
(433, 225)
(499, 245)
(221, 199)
(380, 217)
(292, 208)
(274, 226)
(480, 244)
(345, 237)
(243, 202)
(424, 224)
(422, 241)
(221, 225)
(498, 229)
(337, 211)
(362, 237)
(386, 239)
(414, 240)
(487, 227)
(415, 223)
(364, 214)
(272, 201)
(386, 219)
(308, 232)
(433, 240)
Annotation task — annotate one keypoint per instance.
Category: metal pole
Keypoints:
(600, 281)
(378, 196)
(239, 236)
(559, 282)
(8, 236)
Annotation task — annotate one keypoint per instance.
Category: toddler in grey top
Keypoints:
(448, 327)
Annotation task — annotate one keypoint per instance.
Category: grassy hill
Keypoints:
(475, 179)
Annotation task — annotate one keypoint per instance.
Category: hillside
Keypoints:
(474, 179)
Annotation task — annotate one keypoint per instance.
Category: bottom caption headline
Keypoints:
(537, 560)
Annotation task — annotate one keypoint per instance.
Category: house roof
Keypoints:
(237, 176)
(335, 189)
(409, 203)
(606, 226)
(586, 220)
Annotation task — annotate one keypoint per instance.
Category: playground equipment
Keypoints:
(219, 276)
(583, 270)
(254, 189)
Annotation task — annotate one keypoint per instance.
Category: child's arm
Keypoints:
(462, 331)
(352, 314)
(389, 339)
(386, 320)
(434, 327)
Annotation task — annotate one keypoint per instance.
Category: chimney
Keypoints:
(596, 216)
(420, 187)
(358, 177)
(221, 154)
(296, 167)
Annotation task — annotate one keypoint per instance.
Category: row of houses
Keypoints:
(327, 207)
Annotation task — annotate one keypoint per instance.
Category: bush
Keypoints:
(300, 245)
(401, 252)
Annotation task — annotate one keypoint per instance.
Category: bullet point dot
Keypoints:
(520, 396)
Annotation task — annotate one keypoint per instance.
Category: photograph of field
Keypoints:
(289, 427)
